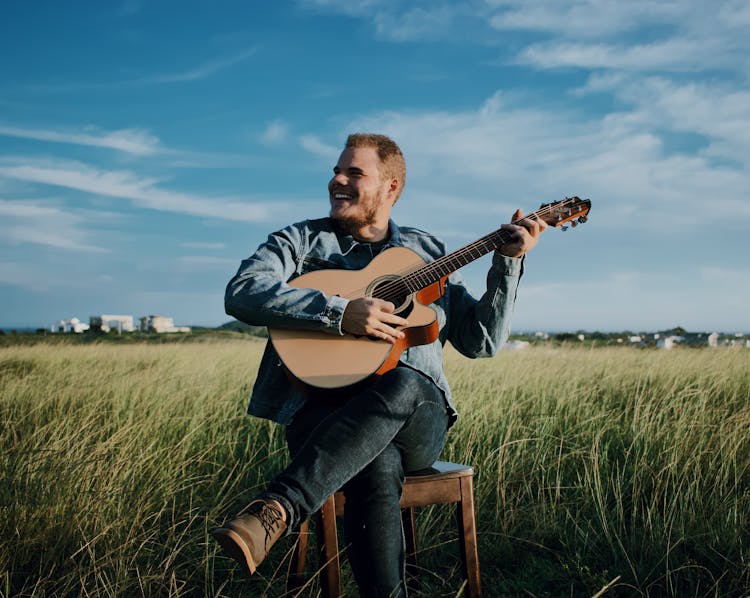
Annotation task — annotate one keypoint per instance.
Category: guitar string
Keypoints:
(394, 288)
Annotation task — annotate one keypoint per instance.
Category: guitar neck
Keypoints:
(571, 210)
(449, 263)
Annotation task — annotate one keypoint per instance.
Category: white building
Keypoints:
(107, 322)
(667, 342)
(713, 339)
(160, 324)
(71, 325)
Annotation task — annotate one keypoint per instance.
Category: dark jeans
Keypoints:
(365, 445)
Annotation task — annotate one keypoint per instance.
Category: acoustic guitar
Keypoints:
(398, 275)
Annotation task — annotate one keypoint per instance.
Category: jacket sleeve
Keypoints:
(259, 294)
(478, 328)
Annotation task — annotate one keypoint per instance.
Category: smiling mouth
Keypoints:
(342, 196)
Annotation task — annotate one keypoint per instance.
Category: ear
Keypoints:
(393, 189)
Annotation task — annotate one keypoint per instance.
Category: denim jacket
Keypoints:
(259, 295)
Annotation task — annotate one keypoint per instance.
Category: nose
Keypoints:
(340, 179)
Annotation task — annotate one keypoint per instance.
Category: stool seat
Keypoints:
(443, 483)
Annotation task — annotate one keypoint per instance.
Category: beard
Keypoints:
(365, 214)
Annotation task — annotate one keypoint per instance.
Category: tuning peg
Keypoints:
(582, 220)
(564, 227)
(574, 223)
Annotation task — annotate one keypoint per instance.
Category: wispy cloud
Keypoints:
(200, 71)
(142, 192)
(315, 146)
(208, 261)
(195, 245)
(275, 132)
(19, 274)
(132, 141)
(514, 151)
(402, 22)
(670, 55)
(580, 33)
(195, 73)
(43, 223)
(583, 18)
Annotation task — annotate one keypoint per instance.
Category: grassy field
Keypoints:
(617, 472)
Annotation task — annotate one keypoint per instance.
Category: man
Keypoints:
(366, 439)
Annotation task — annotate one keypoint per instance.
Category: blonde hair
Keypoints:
(394, 165)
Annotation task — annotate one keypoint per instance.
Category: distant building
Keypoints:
(106, 322)
(160, 324)
(72, 325)
(667, 342)
(713, 339)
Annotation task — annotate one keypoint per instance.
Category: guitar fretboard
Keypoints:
(443, 266)
(410, 282)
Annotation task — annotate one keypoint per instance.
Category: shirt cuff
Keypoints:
(334, 314)
(508, 266)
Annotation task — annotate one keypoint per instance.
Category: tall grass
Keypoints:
(616, 470)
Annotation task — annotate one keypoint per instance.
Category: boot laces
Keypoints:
(268, 515)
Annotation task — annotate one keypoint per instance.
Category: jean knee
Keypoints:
(405, 388)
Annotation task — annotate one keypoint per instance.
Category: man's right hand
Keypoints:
(368, 316)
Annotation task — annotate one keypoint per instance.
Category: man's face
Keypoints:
(358, 194)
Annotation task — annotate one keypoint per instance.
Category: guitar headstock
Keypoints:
(573, 210)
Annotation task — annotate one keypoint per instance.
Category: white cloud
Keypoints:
(208, 261)
(315, 146)
(402, 22)
(201, 71)
(582, 18)
(673, 54)
(142, 192)
(275, 132)
(195, 73)
(195, 245)
(46, 224)
(634, 300)
(635, 35)
(132, 141)
(507, 150)
(21, 275)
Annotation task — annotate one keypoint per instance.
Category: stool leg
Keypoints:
(467, 533)
(330, 576)
(410, 537)
(296, 577)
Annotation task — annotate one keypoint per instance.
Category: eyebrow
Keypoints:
(351, 169)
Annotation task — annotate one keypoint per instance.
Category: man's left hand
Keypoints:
(524, 234)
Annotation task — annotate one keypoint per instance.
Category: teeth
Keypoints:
(340, 196)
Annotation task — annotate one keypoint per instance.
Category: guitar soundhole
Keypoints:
(393, 289)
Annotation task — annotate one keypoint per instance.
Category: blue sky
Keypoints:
(147, 147)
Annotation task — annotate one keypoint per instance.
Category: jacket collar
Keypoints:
(348, 242)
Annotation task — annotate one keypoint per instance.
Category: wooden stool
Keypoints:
(442, 483)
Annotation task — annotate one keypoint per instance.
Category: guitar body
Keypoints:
(326, 361)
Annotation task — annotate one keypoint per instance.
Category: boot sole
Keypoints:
(235, 547)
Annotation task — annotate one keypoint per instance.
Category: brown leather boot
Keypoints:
(249, 537)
